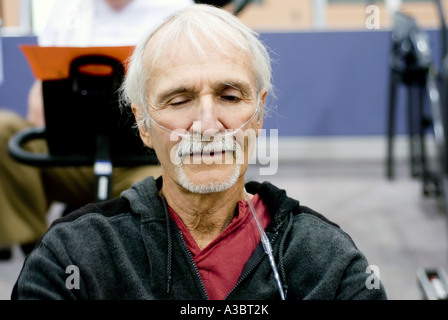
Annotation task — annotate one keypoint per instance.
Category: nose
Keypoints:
(208, 117)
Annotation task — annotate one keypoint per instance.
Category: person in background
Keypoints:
(26, 192)
(197, 86)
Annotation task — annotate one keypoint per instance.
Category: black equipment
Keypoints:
(85, 124)
(410, 64)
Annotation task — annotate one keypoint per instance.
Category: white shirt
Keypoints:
(87, 23)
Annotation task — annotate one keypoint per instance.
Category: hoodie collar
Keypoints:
(279, 205)
(145, 194)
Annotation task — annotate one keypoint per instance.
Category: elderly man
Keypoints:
(197, 86)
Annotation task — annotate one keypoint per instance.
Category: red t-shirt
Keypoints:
(220, 263)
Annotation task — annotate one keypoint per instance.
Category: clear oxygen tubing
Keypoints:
(267, 247)
(221, 135)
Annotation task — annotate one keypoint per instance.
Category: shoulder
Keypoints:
(93, 225)
(314, 230)
(109, 208)
(87, 238)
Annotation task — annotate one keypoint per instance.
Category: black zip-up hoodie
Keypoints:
(129, 248)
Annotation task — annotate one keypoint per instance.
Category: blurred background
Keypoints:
(22, 17)
(334, 78)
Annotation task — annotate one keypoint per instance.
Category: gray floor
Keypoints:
(397, 228)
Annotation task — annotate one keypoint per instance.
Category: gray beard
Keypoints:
(209, 187)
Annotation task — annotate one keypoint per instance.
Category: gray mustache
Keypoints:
(187, 146)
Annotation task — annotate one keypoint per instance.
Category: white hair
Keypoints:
(197, 24)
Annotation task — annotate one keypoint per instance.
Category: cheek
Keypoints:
(165, 147)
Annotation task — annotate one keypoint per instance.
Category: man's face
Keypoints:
(203, 96)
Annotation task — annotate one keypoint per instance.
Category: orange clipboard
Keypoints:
(53, 63)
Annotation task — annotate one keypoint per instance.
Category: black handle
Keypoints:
(18, 153)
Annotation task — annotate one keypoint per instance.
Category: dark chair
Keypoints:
(85, 124)
(410, 62)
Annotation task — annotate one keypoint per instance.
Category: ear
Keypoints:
(260, 112)
(143, 130)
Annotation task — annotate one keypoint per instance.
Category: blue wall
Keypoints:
(17, 77)
(327, 83)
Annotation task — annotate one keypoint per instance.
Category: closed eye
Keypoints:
(230, 93)
(179, 101)
(231, 98)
